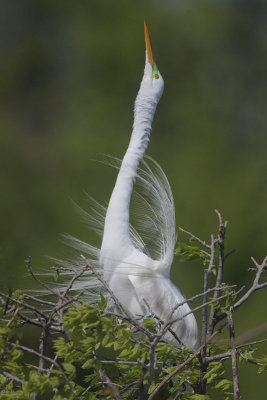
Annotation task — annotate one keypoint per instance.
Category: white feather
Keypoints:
(136, 261)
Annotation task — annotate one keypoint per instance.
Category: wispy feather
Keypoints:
(152, 230)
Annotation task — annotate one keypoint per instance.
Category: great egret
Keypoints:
(135, 277)
(139, 274)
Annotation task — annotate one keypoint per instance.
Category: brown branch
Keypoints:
(220, 241)
(44, 285)
(37, 300)
(202, 357)
(11, 376)
(24, 305)
(249, 360)
(197, 239)
(240, 346)
(205, 286)
(256, 285)
(233, 350)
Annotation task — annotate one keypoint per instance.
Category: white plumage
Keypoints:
(134, 276)
(137, 265)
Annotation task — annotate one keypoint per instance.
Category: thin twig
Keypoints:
(256, 285)
(11, 376)
(44, 285)
(197, 239)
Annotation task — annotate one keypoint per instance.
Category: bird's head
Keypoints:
(152, 83)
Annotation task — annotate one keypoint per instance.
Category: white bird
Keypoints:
(137, 267)
(133, 275)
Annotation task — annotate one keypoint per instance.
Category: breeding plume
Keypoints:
(137, 266)
(134, 276)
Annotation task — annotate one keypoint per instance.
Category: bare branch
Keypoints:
(233, 349)
(205, 286)
(37, 300)
(220, 241)
(197, 239)
(44, 285)
(256, 285)
(11, 376)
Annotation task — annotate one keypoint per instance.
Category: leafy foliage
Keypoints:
(96, 345)
(94, 351)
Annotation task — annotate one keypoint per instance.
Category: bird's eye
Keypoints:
(157, 76)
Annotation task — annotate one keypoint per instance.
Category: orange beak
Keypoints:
(148, 45)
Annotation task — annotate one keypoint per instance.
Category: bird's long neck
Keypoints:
(116, 231)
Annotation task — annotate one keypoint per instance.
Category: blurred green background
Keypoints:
(70, 72)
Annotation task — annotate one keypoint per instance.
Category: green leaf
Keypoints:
(69, 368)
(224, 384)
(88, 364)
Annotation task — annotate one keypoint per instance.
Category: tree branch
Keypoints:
(233, 350)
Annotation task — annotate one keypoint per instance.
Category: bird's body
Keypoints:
(134, 276)
(137, 267)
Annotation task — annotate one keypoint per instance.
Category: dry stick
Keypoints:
(233, 348)
(228, 354)
(187, 361)
(130, 386)
(220, 241)
(10, 376)
(36, 300)
(77, 275)
(36, 323)
(13, 318)
(197, 239)
(250, 361)
(25, 305)
(203, 363)
(205, 297)
(256, 285)
(251, 343)
(48, 288)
